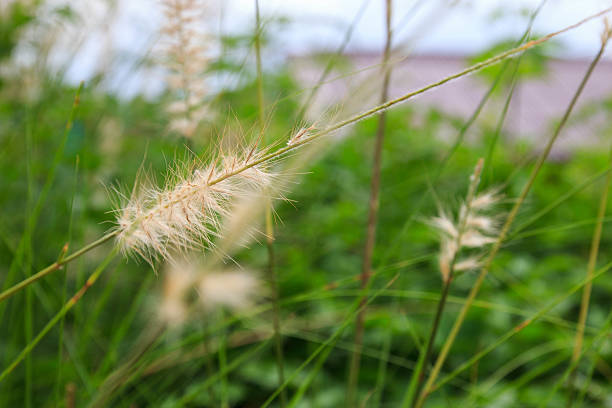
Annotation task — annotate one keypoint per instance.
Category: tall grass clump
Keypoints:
(429, 385)
(222, 334)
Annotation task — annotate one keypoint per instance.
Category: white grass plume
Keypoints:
(185, 49)
(187, 212)
(232, 289)
(173, 307)
(474, 227)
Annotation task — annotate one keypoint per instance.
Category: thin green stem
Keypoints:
(502, 118)
(28, 264)
(210, 368)
(418, 377)
(384, 106)
(65, 309)
(517, 329)
(603, 332)
(260, 92)
(330, 62)
(385, 355)
(222, 358)
(487, 95)
(123, 375)
(276, 325)
(586, 292)
(60, 343)
(522, 359)
(594, 359)
(55, 266)
(272, 273)
(333, 339)
(237, 362)
(564, 197)
(295, 400)
(505, 229)
(111, 356)
(42, 197)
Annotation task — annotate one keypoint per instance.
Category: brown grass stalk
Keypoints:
(353, 379)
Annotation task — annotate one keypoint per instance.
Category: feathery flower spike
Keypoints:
(185, 50)
(186, 214)
(473, 228)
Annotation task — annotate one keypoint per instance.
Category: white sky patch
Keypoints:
(446, 27)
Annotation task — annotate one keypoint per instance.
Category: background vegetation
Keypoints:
(54, 191)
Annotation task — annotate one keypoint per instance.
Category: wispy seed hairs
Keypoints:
(187, 212)
(474, 227)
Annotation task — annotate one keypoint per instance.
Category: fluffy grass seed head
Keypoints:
(232, 289)
(187, 213)
(185, 48)
(474, 227)
(173, 307)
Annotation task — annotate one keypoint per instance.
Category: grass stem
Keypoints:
(54, 266)
(272, 273)
(586, 292)
(65, 309)
(353, 376)
(505, 229)
(418, 378)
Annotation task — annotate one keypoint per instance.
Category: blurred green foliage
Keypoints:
(16, 16)
(319, 242)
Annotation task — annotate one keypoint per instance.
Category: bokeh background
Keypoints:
(104, 352)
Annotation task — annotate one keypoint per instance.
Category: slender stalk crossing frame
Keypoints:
(65, 309)
(504, 231)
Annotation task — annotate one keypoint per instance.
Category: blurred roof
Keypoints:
(536, 104)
